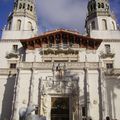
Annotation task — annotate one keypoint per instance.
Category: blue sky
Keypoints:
(54, 14)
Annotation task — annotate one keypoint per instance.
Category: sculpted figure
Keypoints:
(60, 70)
(44, 104)
(26, 114)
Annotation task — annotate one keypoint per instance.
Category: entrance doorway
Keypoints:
(59, 108)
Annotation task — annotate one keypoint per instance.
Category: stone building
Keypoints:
(66, 75)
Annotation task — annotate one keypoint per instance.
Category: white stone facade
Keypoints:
(89, 81)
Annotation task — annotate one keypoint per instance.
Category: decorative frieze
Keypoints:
(69, 65)
(5, 71)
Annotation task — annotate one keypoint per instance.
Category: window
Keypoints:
(104, 24)
(107, 48)
(107, 6)
(23, 5)
(29, 26)
(93, 25)
(28, 7)
(13, 65)
(20, 5)
(98, 5)
(9, 25)
(15, 48)
(94, 6)
(109, 65)
(18, 24)
(113, 26)
(102, 5)
(91, 7)
(31, 8)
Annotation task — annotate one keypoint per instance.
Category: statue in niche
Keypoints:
(44, 102)
(44, 99)
(75, 108)
(61, 70)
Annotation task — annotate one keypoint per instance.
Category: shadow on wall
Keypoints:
(8, 98)
(111, 85)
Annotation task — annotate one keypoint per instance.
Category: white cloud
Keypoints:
(54, 14)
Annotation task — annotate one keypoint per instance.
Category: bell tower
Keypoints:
(22, 22)
(99, 16)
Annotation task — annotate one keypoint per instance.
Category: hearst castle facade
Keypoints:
(65, 75)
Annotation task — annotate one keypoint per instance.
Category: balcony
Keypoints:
(61, 46)
(112, 71)
(60, 57)
(107, 55)
(12, 54)
(59, 49)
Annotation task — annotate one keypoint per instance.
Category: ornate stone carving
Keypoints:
(44, 101)
(63, 85)
(60, 69)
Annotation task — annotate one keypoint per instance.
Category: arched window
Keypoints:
(113, 25)
(104, 24)
(9, 26)
(30, 26)
(107, 6)
(20, 5)
(28, 7)
(94, 6)
(31, 8)
(98, 5)
(91, 7)
(18, 24)
(102, 5)
(93, 25)
(23, 5)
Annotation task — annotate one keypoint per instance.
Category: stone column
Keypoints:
(100, 94)
(16, 108)
(31, 88)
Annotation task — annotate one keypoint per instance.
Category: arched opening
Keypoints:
(18, 24)
(98, 5)
(91, 7)
(93, 25)
(102, 5)
(20, 5)
(9, 26)
(113, 26)
(23, 5)
(30, 26)
(94, 6)
(28, 7)
(104, 24)
(31, 8)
